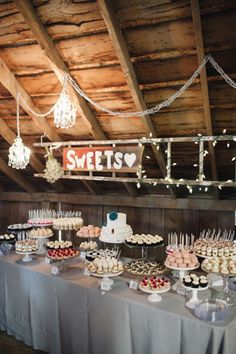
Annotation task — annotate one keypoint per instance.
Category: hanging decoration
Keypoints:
(19, 154)
(64, 110)
(53, 170)
(94, 157)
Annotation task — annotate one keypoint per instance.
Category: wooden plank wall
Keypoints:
(142, 220)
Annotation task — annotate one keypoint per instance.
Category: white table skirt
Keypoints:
(69, 315)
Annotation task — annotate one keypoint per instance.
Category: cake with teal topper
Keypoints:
(116, 229)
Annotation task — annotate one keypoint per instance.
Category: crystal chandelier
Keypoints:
(64, 111)
(19, 154)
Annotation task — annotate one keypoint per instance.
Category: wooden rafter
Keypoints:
(9, 81)
(58, 66)
(129, 73)
(16, 176)
(197, 26)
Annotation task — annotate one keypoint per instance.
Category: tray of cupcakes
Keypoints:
(154, 285)
(145, 267)
(106, 267)
(144, 240)
(62, 254)
(193, 281)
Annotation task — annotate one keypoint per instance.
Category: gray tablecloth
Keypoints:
(69, 315)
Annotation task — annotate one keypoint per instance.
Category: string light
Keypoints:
(19, 154)
(228, 144)
(206, 189)
(148, 157)
(224, 131)
(138, 185)
(174, 163)
(195, 165)
(214, 143)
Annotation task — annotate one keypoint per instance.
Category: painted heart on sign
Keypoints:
(130, 159)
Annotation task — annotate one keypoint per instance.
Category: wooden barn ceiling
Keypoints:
(127, 56)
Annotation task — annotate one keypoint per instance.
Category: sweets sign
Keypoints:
(103, 159)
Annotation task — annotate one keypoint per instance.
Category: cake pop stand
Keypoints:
(182, 273)
(194, 299)
(144, 249)
(27, 256)
(154, 297)
(226, 294)
(41, 243)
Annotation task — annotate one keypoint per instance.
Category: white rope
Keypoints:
(150, 111)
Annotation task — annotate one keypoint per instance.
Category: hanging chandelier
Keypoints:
(64, 110)
(19, 154)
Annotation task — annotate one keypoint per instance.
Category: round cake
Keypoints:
(116, 229)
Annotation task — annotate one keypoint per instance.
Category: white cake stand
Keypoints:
(106, 277)
(194, 299)
(154, 297)
(27, 256)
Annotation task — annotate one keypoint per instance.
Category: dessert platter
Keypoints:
(41, 234)
(144, 241)
(154, 285)
(19, 230)
(38, 222)
(55, 245)
(194, 283)
(7, 238)
(98, 254)
(116, 229)
(183, 261)
(225, 267)
(89, 231)
(106, 267)
(88, 246)
(145, 267)
(67, 223)
(62, 254)
(206, 248)
(26, 248)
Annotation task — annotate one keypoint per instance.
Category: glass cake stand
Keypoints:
(144, 249)
(191, 303)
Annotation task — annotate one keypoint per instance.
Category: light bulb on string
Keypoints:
(19, 154)
(228, 144)
(64, 111)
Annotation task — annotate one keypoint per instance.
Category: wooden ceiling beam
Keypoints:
(197, 26)
(9, 81)
(57, 65)
(16, 176)
(122, 53)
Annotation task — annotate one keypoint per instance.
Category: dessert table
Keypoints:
(69, 314)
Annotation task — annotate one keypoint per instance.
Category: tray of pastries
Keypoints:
(106, 266)
(154, 285)
(41, 232)
(92, 255)
(195, 281)
(26, 246)
(19, 227)
(62, 254)
(220, 265)
(59, 245)
(214, 248)
(88, 246)
(89, 231)
(142, 267)
(144, 240)
(182, 260)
